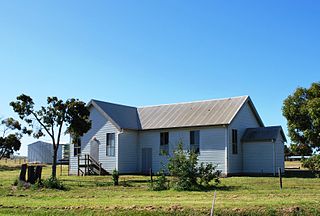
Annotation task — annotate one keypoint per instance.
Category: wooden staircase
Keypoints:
(87, 165)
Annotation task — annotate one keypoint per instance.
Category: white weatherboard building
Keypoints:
(42, 152)
(227, 132)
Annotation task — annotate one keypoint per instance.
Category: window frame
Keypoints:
(110, 144)
(164, 143)
(77, 147)
(194, 137)
(234, 141)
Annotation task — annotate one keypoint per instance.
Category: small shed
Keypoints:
(263, 150)
(42, 152)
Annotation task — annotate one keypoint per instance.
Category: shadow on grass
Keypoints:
(301, 174)
(9, 168)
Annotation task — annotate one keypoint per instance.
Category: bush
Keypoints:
(188, 175)
(312, 163)
(53, 183)
(161, 182)
(207, 174)
(115, 177)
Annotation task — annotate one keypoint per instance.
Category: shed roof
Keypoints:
(40, 143)
(189, 114)
(263, 134)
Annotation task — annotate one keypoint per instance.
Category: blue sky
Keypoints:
(153, 52)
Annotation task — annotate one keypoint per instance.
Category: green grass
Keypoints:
(95, 195)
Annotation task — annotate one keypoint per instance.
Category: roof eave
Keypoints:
(193, 126)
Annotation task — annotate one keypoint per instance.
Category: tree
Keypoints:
(301, 149)
(302, 111)
(10, 142)
(287, 151)
(72, 114)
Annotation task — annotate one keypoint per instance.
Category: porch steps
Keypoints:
(87, 165)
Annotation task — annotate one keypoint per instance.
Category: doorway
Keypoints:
(146, 160)
(94, 149)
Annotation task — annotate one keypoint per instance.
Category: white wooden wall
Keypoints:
(212, 145)
(243, 120)
(100, 127)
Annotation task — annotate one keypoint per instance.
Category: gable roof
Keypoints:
(190, 114)
(125, 117)
(263, 134)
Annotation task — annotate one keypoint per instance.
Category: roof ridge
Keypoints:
(113, 103)
(207, 100)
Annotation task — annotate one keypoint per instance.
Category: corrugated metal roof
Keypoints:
(190, 114)
(262, 134)
(201, 113)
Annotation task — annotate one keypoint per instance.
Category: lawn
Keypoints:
(95, 195)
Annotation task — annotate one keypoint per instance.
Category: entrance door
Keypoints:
(146, 160)
(94, 149)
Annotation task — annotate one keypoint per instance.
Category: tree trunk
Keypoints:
(54, 163)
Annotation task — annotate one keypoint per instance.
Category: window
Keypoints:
(234, 141)
(195, 141)
(77, 147)
(164, 143)
(110, 144)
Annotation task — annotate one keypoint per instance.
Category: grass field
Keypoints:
(94, 195)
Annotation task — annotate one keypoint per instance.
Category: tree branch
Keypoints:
(60, 128)
(35, 115)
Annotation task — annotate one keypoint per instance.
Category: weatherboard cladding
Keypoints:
(191, 114)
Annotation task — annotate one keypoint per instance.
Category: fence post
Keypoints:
(213, 202)
(31, 175)
(38, 173)
(151, 176)
(280, 178)
(23, 172)
(78, 165)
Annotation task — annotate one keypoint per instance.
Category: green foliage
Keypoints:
(312, 163)
(71, 114)
(53, 183)
(302, 111)
(207, 174)
(300, 149)
(115, 177)
(161, 183)
(183, 166)
(9, 143)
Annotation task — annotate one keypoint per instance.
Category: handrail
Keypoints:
(88, 162)
(93, 160)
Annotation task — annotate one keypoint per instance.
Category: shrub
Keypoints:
(53, 183)
(207, 174)
(115, 177)
(183, 166)
(161, 182)
(312, 163)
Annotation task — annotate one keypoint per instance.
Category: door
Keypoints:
(94, 149)
(146, 160)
